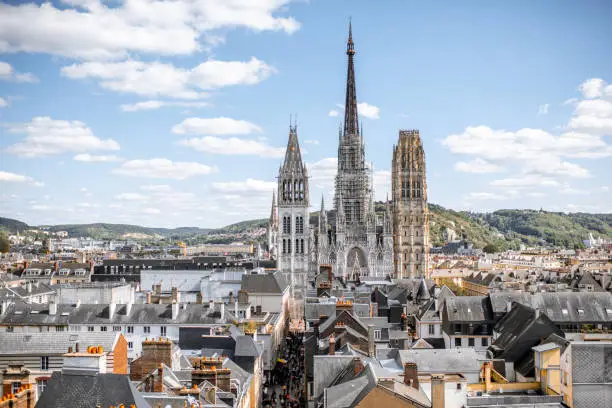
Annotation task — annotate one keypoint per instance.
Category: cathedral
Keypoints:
(352, 238)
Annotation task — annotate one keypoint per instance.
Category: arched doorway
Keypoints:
(356, 264)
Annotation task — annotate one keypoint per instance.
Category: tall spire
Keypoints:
(351, 119)
(293, 157)
(274, 212)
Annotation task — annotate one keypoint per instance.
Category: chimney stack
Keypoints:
(371, 343)
(175, 310)
(437, 391)
(175, 294)
(29, 287)
(52, 309)
(231, 297)
(92, 361)
(332, 345)
(357, 366)
(112, 308)
(411, 377)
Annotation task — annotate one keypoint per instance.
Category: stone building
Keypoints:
(410, 210)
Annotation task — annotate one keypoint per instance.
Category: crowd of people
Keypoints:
(285, 386)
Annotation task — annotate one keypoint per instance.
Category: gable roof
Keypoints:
(86, 391)
(468, 309)
(269, 283)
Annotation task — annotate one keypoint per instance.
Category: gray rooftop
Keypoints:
(54, 342)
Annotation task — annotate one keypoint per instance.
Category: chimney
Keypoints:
(487, 376)
(437, 391)
(148, 298)
(404, 322)
(357, 366)
(211, 395)
(508, 305)
(222, 309)
(29, 287)
(128, 308)
(243, 296)
(78, 303)
(371, 343)
(112, 308)
(93, 361)
(175, 294)
(332, 345)
(52, 309)
(175, 310)
(158, 381)
(411, 375)
(231, 297)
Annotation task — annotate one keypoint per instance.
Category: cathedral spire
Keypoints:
(274, 212)
(351, 119)
(293, 157)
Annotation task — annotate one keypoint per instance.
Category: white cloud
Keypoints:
(215, 126)
(9, 177)
(8, 73)
(163, 168)
(529, 180)
(233, 146)
(156, 79)
(369, 111)
(46, 136)
(364, 109)
(478, 165)
(86, 157)
(151, 211)
(323, 172)
(570, 101)
(158, 188)
(247, 186)
(136, 26)
(567, 189)
(39, 207)
(83, 190)
(131, 197)
(484, 196)
(543, 109)
(3, 103)
(592, 88)
(151, 105)
(593, 116)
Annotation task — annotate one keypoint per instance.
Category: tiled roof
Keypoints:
(269, 283)
(54, 342)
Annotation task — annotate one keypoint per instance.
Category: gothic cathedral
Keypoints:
(353, 238)
(410, 211)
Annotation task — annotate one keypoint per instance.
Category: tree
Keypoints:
(490, 248)
(5, 245)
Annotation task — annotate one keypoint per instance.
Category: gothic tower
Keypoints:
(273, 229)
(352, 181)
(410, 211)
(293, 215)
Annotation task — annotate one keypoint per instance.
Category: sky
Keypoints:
(176, 113)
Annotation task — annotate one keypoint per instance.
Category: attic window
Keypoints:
(609, 311)
(65, 313)
(581, 311)
(33, 311)
(564, 311)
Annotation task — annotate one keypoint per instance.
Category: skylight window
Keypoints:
(581, 311)
(564, 311)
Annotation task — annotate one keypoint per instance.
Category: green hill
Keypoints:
(503, 229)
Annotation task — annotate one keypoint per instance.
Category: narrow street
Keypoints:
(286, 386)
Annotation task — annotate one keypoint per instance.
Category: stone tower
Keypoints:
(273, 229)
(410, 211)
(293, 215)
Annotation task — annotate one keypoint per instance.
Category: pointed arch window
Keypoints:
(286, 224)
(284, 246)
(299, 225)
(288, 246)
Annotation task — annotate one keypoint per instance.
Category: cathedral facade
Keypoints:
(410, 210)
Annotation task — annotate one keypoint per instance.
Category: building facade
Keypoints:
(410, 210)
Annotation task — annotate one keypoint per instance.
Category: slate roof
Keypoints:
(54, 342)
(246, 347)
(22, 291)
(588, 279)
(196, 314)
(520, 330)
(460, 360)
(468, 309)
(87, 391)
(313, 311)
(269, 283)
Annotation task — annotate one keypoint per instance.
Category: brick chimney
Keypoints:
(437, 391)
(411, 375)
(243, 296)
(357, 366)
(211, 370)
(158, 381)
(25, 397)
(154, 352)
(332, 345)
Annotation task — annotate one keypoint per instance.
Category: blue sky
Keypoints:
(177, 113)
